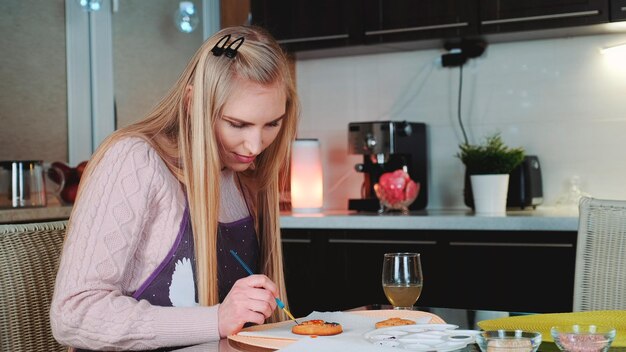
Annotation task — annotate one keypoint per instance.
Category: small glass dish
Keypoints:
(398, 205)
(508, 341)
(583, 338)
(402, 206)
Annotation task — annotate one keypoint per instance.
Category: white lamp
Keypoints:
(307, 190)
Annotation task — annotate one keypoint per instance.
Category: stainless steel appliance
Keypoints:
(387, 146)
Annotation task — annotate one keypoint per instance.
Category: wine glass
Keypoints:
(402, 279)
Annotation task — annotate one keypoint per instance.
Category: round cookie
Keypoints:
(394, 322)
(317, 327)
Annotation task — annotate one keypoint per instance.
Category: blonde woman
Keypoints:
(146, 261)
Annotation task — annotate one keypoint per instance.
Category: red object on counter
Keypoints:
(72, 179)
(396, 190)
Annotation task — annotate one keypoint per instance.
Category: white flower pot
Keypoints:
(490, 193)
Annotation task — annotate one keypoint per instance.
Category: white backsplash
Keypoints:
(560, 99)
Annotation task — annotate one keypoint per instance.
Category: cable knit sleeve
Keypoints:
(104, 255)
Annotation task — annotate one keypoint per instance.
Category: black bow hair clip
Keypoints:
(229, 51)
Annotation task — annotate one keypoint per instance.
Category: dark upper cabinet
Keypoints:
(618, 10)
(301, 25)
(403, 20)
(317, 24)
(514, 15)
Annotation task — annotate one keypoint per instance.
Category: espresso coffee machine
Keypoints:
(387, 146)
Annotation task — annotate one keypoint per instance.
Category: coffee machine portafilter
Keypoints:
(387, 146)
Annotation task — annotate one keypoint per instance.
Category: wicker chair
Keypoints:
(29, 258)
(600, 275)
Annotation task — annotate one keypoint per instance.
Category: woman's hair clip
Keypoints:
(219, 49)
(231, 51)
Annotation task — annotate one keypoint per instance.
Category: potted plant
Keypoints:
(488, 166)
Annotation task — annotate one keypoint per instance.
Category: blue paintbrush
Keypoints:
(280, 303)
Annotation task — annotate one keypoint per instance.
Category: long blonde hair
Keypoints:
(184, 137)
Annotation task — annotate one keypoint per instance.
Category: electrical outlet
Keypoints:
(460, 51)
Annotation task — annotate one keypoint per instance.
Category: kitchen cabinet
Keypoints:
(618, 10)
(299, 25)
(304, 25)
(304, 270)
(513, 271)
(296, 24)
(523, 271)
(358, 256)
(403, 20)
(509, 15)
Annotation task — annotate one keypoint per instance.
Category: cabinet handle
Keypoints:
(334, 240)
(542, 17)
(313, 39)
(415, 29)
(296, 240)
(504, 244)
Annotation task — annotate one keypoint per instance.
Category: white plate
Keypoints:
(416, 328)
(247, 342)
(422, 337)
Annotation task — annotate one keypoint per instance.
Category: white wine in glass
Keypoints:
(402, 279)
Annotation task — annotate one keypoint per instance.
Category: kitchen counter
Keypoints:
(546, 219)
(528, 220)
(24, 215)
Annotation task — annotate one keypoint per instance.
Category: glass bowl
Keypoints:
(386, 204)
(583, 338)
(508, 341)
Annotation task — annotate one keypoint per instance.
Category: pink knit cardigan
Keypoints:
(121, 228)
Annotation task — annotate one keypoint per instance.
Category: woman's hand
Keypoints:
(252, 299)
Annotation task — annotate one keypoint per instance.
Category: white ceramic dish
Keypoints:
(249, 342)
(422, 337)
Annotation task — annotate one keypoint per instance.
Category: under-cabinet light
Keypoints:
(614, 49)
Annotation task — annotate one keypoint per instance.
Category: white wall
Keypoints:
(560, 99)
(33, 80)
(148, 62)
